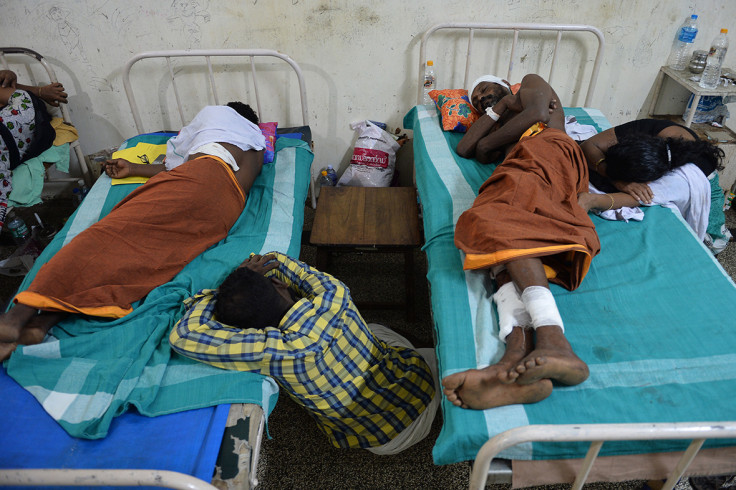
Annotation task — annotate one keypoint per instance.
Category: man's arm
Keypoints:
(595, 148)
(119, 168)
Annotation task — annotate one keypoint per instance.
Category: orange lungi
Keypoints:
(143, 243)
(529, 208)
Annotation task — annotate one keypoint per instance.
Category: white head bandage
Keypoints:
(213, 124)
(511, 310)
(541, 306)
(485, 78)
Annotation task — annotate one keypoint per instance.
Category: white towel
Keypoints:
(577, 131)
(213, 124)
(685, 189)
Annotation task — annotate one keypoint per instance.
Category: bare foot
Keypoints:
(13, 321)
(481, 389)
(552, 359)
(6, 348)
(38, 326)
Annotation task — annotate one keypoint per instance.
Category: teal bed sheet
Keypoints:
(653, 319)
(92, 370)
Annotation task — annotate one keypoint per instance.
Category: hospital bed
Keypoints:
(653, 318)
(107, 402)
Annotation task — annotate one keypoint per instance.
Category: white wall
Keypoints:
(360, 59)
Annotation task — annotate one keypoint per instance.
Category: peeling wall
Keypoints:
(360, 59)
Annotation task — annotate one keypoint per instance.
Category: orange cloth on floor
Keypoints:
(529, 208)
(143, 243)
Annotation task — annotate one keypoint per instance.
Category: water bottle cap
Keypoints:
(430, 63)
(693, 16)
(724, 31)
(324, 172)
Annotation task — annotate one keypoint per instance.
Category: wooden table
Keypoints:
(369, 219)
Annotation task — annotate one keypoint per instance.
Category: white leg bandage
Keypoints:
(541, 305)
(511, 311)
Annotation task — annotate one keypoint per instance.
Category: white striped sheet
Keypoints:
(281, 223)
(658, 372)
(48, 349)
(89, 210)
(444, 162)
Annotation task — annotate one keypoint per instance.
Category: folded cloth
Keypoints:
(686, 190)
(144, 242)
(213, 124)
(28, 177)
(65, 133)
(528, 208)
(577, 131)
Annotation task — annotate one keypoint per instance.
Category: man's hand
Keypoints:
(118, 168)
(7, 79)
(641, 192)
(261, 263)
(53, 94)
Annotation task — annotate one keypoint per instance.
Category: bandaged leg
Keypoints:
(541, 306)
(511, 310)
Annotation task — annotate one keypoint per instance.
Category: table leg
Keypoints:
(693, 108)
(409, 285)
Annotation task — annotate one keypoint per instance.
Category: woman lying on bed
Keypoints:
(152, 233)
(652, 161)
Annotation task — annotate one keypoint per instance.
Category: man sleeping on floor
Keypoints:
(525, 228)
(190, 203)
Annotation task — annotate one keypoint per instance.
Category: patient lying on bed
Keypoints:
(152, 233)
(364, 385)
(526, 228)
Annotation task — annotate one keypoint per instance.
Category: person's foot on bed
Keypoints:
(13, 321)
(553, 358)
(6, 348)
(480, 389)
(38, 326)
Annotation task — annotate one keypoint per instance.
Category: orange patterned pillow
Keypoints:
(455, 110)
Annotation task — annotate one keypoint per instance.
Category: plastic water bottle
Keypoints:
(712, 73)
(332, 174)
(324, 179)
(429, 81)
(18, 230)
(683, 42)
(81, 190)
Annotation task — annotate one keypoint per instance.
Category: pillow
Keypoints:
(455, 110)
(269, 131)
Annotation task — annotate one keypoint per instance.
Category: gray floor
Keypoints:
(299, 456)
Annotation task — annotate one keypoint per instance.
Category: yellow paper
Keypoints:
(140, 153)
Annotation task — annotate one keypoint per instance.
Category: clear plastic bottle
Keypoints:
(429, 81)
(712, 73)
(683, 42)
(324, 179)
(332, 174)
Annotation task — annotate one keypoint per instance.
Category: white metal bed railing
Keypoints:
(516, 28)
(64, 109)
(99, 478)
(597, 434)
(208, 54)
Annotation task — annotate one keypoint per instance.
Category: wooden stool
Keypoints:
(377, 219)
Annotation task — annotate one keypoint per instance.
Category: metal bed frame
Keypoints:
(86, 175)
(152, 477)
(208, 54)
(485, 467)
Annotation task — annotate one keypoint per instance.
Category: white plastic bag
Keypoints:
(374, 157)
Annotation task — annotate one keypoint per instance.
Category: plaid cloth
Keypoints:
(361, 392)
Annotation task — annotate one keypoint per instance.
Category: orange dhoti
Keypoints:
(144, 242)
(529, 208)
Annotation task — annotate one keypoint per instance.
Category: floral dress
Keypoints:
(19, 117)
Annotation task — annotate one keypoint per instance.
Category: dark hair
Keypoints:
(247, 299)
(643, 158)
(244, 110)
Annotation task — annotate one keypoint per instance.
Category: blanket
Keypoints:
(528, 208)
(93, 369)
(142, 243)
